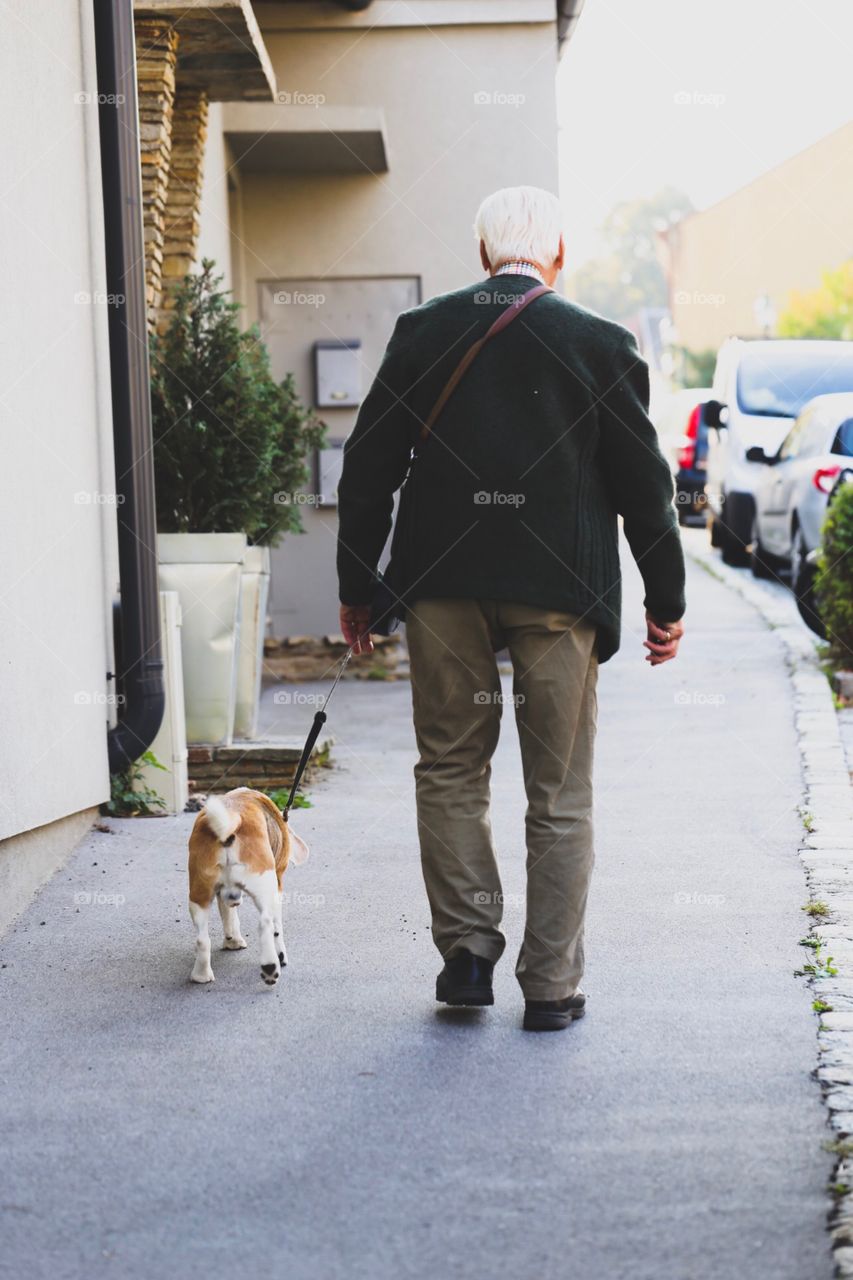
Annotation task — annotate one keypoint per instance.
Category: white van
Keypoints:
(759, 387)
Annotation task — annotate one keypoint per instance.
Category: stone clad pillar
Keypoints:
(183, 198)
(156, 57)
(187, 54)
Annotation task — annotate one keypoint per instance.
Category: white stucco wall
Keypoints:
(214, 239)
(57, 571)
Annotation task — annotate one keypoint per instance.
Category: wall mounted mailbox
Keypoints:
(337, 374)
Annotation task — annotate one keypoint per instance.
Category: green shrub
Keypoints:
(229, 441)
(834, 579)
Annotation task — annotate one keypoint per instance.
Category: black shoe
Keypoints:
(466, 979)
(553, 1015)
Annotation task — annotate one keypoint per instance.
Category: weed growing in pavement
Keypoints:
(820, 1006)
(821, 966)
(279, 799)
(710, 570)
(842, 1147)
(129, 796)
(816, 909)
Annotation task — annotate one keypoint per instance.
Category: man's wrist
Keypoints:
(670, 617)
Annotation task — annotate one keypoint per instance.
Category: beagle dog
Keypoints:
(240, 843)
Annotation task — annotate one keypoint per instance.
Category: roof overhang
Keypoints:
(294, 138)
(338, 15)
(220, 47)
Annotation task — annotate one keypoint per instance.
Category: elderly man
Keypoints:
(513, 469)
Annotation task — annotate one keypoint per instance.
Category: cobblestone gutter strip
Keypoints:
(827, 856)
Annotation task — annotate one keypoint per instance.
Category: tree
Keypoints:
(696, 368)
(229, 441)
(630, 276)
(826, 312)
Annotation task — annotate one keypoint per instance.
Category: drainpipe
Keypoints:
(139, 675)
(568, 14)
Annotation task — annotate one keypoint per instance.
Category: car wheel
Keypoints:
(733, 550)
(735, 557)
(760, 562)
(806, 601)
(802, 581)
(798, 556)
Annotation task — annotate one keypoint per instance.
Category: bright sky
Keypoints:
(700, 94)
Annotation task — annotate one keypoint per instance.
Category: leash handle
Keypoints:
(313, 735)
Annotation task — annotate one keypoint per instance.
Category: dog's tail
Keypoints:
(222, 821)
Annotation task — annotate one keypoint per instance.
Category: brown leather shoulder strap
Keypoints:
(506, 317)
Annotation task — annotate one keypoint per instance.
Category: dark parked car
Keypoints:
(692, 468)
(684, 437)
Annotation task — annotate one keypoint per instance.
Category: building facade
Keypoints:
(733, 266)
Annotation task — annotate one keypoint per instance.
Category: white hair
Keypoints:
(520, 222)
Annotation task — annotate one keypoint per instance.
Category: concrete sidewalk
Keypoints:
(341, 1126)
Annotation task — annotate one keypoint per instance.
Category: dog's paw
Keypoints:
(270, 973)
(202, 975)
(234, 944)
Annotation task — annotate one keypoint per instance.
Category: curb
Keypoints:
(827, 857)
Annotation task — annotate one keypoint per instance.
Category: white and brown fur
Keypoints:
(240, 844)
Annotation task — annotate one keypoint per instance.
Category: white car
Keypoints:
(760, 386)
(795, 484)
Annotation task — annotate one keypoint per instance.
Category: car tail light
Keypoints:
(824, 478)
(687, 452)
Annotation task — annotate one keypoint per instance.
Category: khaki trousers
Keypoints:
(457, 701)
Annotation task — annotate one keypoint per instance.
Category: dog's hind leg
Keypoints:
(202, 971)
(279, 930)
(263, 890)
(233, 940)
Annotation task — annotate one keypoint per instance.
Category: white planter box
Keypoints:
(254, 594)
(206, 571)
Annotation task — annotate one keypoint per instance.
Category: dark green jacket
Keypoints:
(516, 493)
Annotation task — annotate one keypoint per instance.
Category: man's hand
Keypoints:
(663, 638)
(355, 620)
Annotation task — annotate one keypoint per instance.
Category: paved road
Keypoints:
(340, 1128)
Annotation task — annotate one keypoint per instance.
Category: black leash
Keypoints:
(313, 735)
